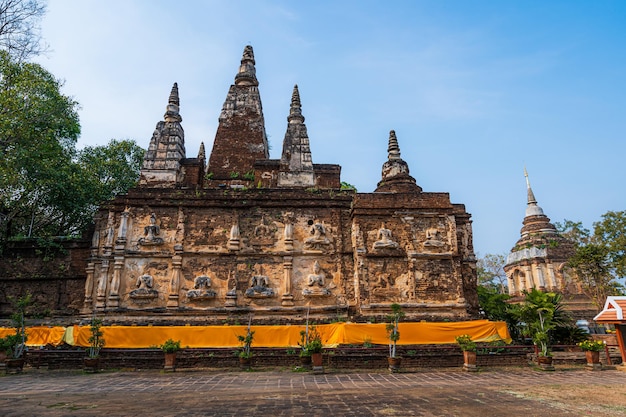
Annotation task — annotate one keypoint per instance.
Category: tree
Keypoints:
(490, 270)
(19, 28)
(48, 188)
(593, 271)
(111, 169)
(612, 231)
(38, 131)
(600, 258)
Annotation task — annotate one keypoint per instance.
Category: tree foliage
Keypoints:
(38, 131)
(600, 259)
(48, 188)
(19, 28)
(491, 274)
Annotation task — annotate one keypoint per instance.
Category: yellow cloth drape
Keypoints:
(39, 335)
(267, 336)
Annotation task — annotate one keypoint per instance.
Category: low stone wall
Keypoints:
(339, 358)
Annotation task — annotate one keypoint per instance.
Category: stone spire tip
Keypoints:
(295, 111)
(247, 72)
(531, 195)
(173, 106)
(202, 152)
(393, 150)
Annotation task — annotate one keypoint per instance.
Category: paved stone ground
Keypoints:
(285, 393)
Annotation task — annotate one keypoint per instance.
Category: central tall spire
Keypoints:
(240, 139)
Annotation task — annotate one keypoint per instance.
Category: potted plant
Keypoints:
(592, 350)
(305, 355)
(315, 348)
(540, 333)
(15, 344)
(394, 335)
(91, 363)
(245, 353)
(170, 347)
(468, 346)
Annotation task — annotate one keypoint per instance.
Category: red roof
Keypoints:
(613, 311)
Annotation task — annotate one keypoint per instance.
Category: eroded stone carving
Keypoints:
(144, 288)
(234, 241)
(151, 233)
(384, 239)
(319, 241)
(201, 289)
(433, 238)
(316, 282)
(259, 286)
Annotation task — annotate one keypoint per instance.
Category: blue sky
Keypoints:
(475, 90)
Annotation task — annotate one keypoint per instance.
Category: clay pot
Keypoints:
(316, 358)
(394, 363)
(170, 361)
(245, 363)
(592, 357)
(469, 358)
(544, 360)
(91, 364)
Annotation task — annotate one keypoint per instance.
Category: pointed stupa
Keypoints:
(538, 257)
(240, 139)
(535, 221)
(202, 152)
(161, 164)
(296, 166)
(395, 172)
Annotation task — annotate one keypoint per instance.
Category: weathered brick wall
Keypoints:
(340, 358)
(53, 272)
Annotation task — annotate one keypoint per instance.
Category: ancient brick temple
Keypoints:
(278, 238)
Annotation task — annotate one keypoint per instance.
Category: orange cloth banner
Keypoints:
(267, 336)
(39, 335)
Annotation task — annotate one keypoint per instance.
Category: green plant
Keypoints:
(392, 327)
(249, 176)
(466, 343)
(234, 175)
(15, 345)
(304, 343)
(246, 343)
(315, 341)
(96, 341)
(345, 186)
(170, 346)
(592, 345)
(367, 342)
(209, 176)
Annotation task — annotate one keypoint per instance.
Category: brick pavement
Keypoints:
(207, 393)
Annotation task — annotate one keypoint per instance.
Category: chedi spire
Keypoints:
(296, 165)
(161, 163)
(173, 106)
(395, 172)
(247, 71)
